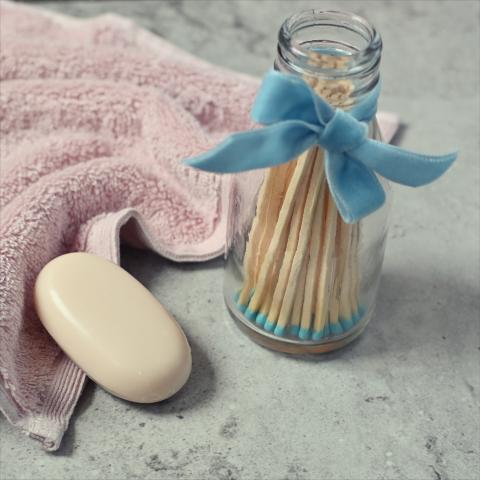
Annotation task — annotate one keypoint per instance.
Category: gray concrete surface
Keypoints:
(400, 403)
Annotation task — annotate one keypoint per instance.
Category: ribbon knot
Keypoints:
(296, 119)
(342, 133)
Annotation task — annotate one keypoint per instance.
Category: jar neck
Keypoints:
(337, 53)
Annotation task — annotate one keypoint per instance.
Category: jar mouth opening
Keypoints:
(335, 34)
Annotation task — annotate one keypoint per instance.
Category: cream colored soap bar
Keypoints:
(112, 327)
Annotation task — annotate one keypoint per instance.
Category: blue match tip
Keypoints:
(317, 335)
(261, 319)
(324, 332)
(347, 323)
(336, 328)
(304, 333)
(279, 331)
(250, 314)
(293, 330)
(240, 306)
(269, 326)
(357, 316)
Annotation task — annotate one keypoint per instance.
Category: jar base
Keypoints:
(289, 345)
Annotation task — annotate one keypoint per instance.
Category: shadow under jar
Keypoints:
(298, 278)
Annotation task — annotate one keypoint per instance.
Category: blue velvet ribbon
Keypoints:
(296, 119)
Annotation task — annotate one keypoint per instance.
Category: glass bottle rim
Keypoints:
(363, 58)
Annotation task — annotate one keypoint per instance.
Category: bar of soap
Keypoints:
(112, 327)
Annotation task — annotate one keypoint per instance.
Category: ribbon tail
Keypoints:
(402, 166)
(355, 189)
(260, 148)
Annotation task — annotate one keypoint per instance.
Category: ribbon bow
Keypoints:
(297, 119)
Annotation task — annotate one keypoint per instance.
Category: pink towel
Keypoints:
(96, 116)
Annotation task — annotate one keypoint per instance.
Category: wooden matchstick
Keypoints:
(282, 180)
(314, 255)
(255, 235)
(296, 315)
(342, 239)
(288, 254)
(261, 318)
(346, 313)
(303, 243)
(355, 281)
(298, 177)
(268, 204)
(326, 268)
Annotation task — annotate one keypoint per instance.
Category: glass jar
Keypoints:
(298, 279)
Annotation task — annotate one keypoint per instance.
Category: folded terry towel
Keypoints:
(96, 116)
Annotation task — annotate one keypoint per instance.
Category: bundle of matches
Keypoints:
(301, 269)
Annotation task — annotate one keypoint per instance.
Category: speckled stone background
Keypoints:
(400, 403)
